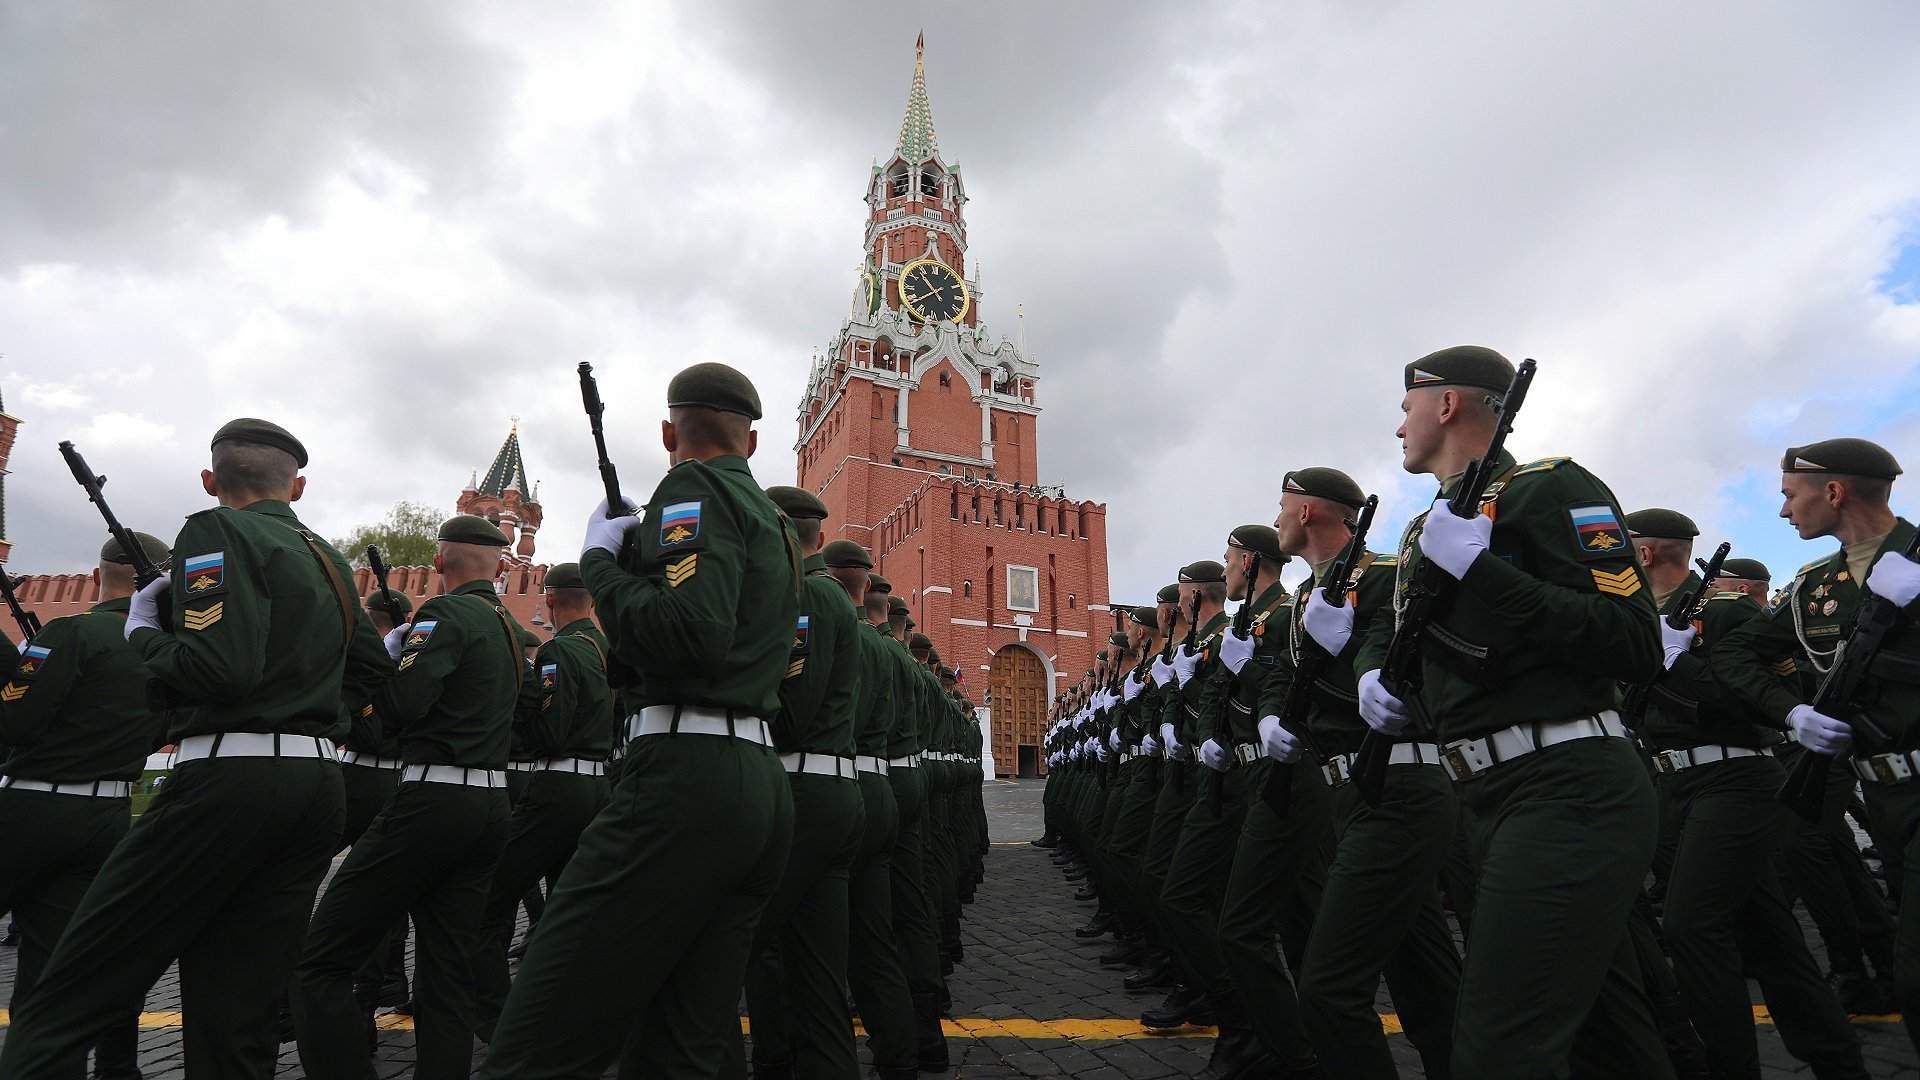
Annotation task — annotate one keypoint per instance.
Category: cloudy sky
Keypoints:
(391, 227)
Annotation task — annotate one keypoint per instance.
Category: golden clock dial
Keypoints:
(932, 292)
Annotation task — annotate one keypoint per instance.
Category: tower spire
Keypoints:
(917, 140)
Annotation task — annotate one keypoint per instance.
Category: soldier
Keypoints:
(647, 932)
(432, 851)
(1133, 823)
(1170, 806)
(1520, 670)
(913, 914)
(936, 732)
(220, 870)
(1748, 577)
(76, 722)
(796, 977)
(567, 731)
(1840, 488)
(1380, 912)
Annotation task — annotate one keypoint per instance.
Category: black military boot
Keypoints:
(773, 1070)
(1123, 954)
(1085, 894)
(1048, 840)
(1862, 994)
(930, 1042)
(1156, 972)
(1099, 924)
(1182, 1007)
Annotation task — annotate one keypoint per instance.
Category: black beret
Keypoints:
(1462, 365)
(910, 623)
(933, 655)
(920, 643)
(948, 674)
(155, 548)
(896, 603)
(1325, 483)
(1262, 540)
(876, 583)
(714, 386)
(565, 575)
(1101, 655)
(1746, 569)
(468, 529)
(1168, 594)
(264, 433)
(797, 502)
(1655, 522)
(1844, 457)
(398, 612)
(1202, 572)
(528, 639)
(1117, 638)
(844, 553)
(1145, 616)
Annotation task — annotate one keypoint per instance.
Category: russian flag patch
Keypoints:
(1597, 529)
(205, 573)
(679, 523)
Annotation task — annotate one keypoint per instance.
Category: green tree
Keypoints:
(407, 537)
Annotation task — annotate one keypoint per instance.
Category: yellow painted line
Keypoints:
(981, 1028)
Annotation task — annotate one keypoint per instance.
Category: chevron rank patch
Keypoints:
(13, 691)
(679, 523)
(548, 673)
(1784, 668)
(367, 709)
(206, 617)
(794, 669)
(32, 659)
(1624, 583)
(679, 573)
(1597, 529)
(407, 660)
(420, 633)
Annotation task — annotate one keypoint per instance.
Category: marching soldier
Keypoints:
(1380, 912)
(567, 731)
(1841, 488)
(913, 909)
(652, 920)
(1520, 673)
(1170, 807)
(77, 723)
(220, 870)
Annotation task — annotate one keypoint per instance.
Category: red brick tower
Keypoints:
(921, 434)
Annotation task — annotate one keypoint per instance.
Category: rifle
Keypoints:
(1805, 790)
(609, 479)
(1428, 595)
(29, 622)
(379, 567)
(1634, 709)
(1313, 661)
(1242, 627)
(143, 569)
(1185, 776)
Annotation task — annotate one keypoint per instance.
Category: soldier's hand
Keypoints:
(1452, 543)
(1677, 642)
(1215, 757)
(1895, 577)
(396, 639)
(1329, 626)
(1281, 745)
(1819, 732)
(1382, 711)
(1170, 741)
(1235, 651)
(1149, 745)
(1184, 661)
(1100, 750)
(144, 608)
(1132, 687)
(1113, 738)
(1162, 672)
(609, 533)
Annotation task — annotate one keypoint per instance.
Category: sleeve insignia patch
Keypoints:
(546, 703)
(32, 659)
(1784, 667)
(1597, 529)
(679, 573)
(206, 617)
(800, 635)
(1624, 583)
(794, 669)
(407, 660)
(548, 673)
(12, 692)
(367, 709)
(420, 633)
(205, 573)
(679, 523)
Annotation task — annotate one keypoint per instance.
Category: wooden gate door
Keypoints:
(1019, 683)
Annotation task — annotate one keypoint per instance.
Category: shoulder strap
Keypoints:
(595, 646)
(513, 646)
(341, 594)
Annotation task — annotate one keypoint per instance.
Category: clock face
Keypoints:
(932, 292)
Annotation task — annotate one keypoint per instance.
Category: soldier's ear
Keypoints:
(299, 487)
(753, 441)
(669, 438)
(207, 484)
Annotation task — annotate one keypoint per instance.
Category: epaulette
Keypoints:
(1388, 561)
(208, 510)
(1726, 594)
(1543, 465)
(1812, 566)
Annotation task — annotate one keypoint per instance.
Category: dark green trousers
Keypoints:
(1170, 807)
(554, 809)
(51, 847)
(1273, 890)
(1380, 914)
(652, 919)
(943, 896)
(431, 854)
(913, 917)
(535, 901)
(219, 873)
(796, 980)
(1127, 842)
(876, 975)
(1562, 840)
(1196, 890)
(1820, 865)
(1895, 810)
(368, 791)
(1727, 920)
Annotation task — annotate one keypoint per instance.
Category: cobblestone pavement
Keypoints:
(1030, 1000)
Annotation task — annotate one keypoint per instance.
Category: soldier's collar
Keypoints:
(474, 588)
(576, 626)
(117, 604)
(814, 562)
(279, 508)
(1502, 465)
(1270, 597)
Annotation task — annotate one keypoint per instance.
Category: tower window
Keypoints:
(946, 382)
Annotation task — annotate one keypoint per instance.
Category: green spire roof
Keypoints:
(508, 470)
(917, 140)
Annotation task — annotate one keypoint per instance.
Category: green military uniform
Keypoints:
(220, 870)
(1174, 798)
(913, 908)
(431, 852)
(370, 774)
(566, 731)
(1546, 622)
(647, 933)
(76, 725)
(796, 980)
(936, 719)
(1380, 909)
(1771, 664)
(1133, 822)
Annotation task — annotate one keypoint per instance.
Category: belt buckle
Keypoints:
(1336, 770)
(1891, 768)
(1460, 759)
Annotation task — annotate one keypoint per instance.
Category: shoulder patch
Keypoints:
(800, 628)
(1624, 583)
(205, 573)
(1597, 529)
(548, 674)
(420, 633)
(679, 523)
(1542, 465)
(32, 659)
(679, 573)
(204, 618)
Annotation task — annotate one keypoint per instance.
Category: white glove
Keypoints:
(1215, 757)
(1453, 543)
(1280, 744)
(1819, 732)
(1331, 627)
(1677, 642)
(23, 645)
(1100, 750)
(396, 639)
(1149, 745)
(608, 533)
(144, 608)
(1132, 687)
(1235, 651)
(1184, 661)
(1113, 738)
(1895, 577)
(1162, 672)
(1170, 742)
(1382, 711)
